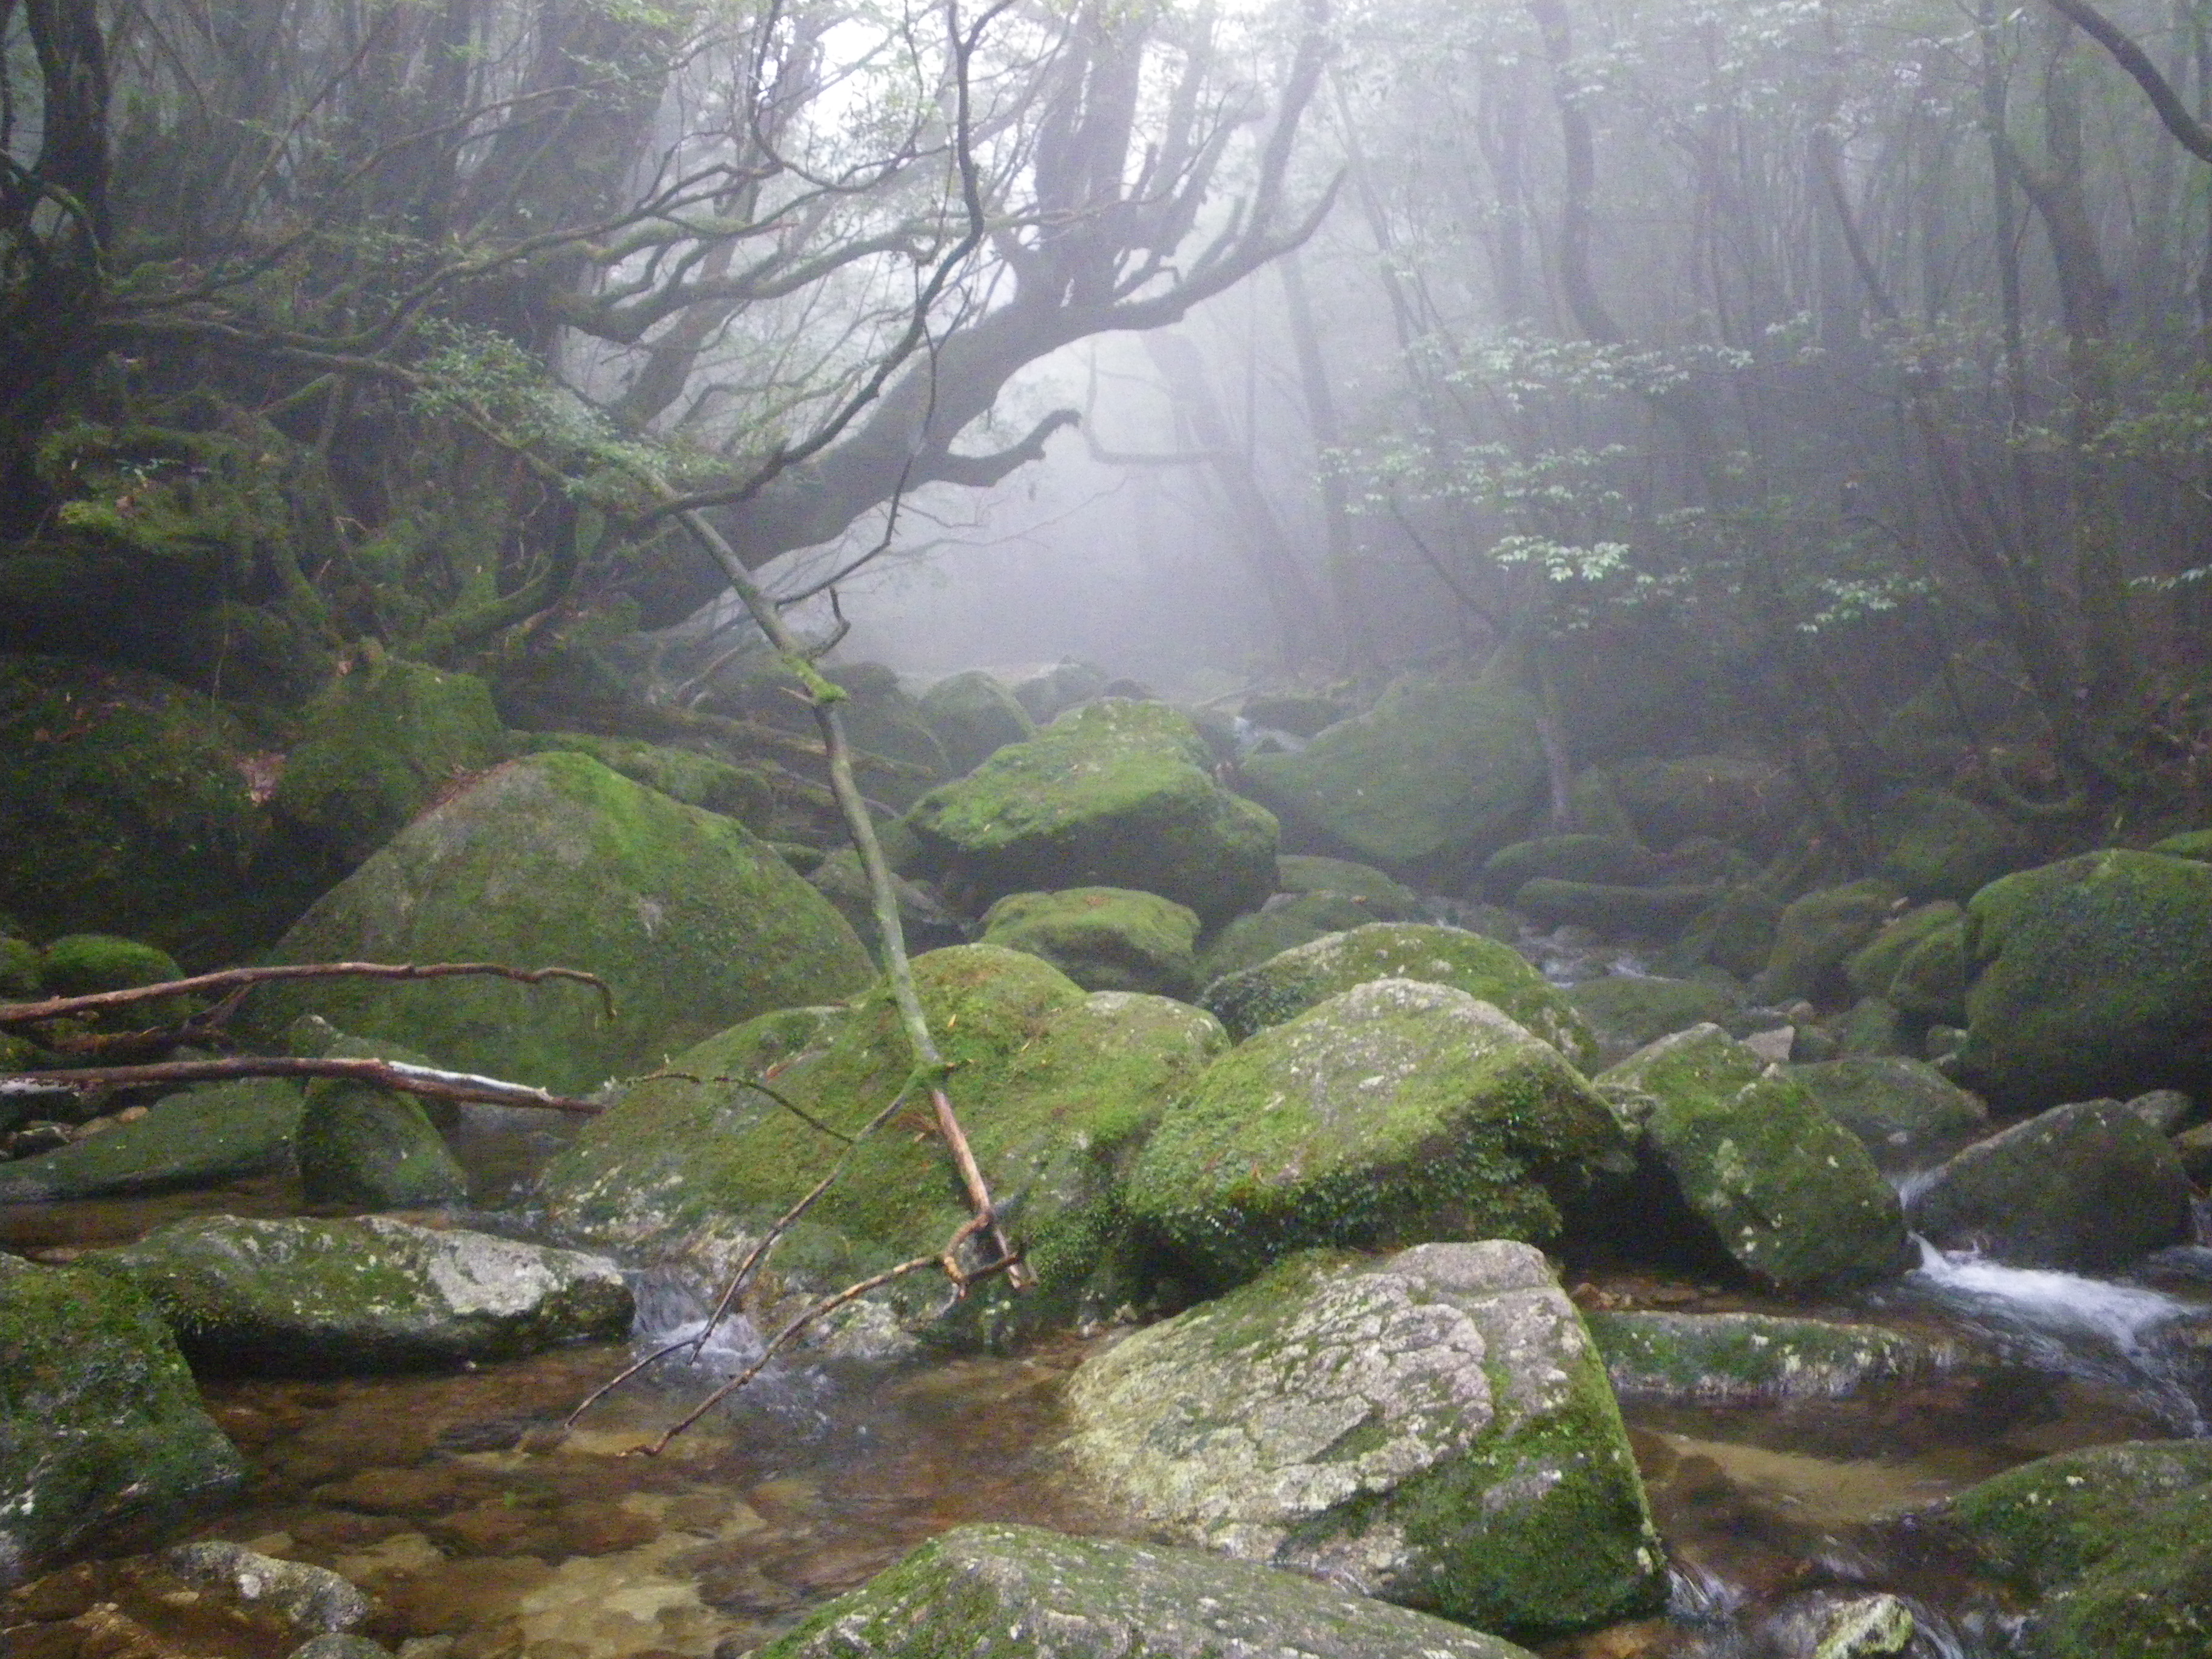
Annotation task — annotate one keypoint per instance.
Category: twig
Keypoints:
(20, 1013)
(393, 1075)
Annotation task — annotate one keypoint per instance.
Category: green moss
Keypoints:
(79, 965)
(1104, 939)
(365, 1146)
(1735, 933)
(1931, 980)
(1285, 923)
(1752, 1355)
(1611, 860)
(696, 780)
(1634, 1009)
(19, 968)
(1740, 799)
(2151, 1598)
(1254, 998)
(974, 717)
(201, 1138)
(1387, 900)
(1816, 934)
(1872, 968)
(2044, 1524)
(2189, 844)
(1944, 847)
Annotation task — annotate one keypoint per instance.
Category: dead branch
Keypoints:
(393, 1075)
(233, 979)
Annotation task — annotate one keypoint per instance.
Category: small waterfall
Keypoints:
(671, 1308)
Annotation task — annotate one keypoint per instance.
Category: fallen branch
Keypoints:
(233, 979)
(393, 1075)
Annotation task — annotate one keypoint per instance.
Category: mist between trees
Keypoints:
(1742, 364)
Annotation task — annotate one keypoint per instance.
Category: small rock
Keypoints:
(313, 1599)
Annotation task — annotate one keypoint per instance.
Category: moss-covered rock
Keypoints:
(1437, 1426)
(1117, 794)
(1871, 969)
(1435, 777)
(102, 1434)
(1284, 922)
(207, 1135)
(1608, 860)
(1930, 985)
(974, 717)
(1627, 1011)
(2043, 1525)
(1104, 939)
(1052, 691)
(550, 860)
(2087, 1187)
(696, 780)
(2150, 1599)
(882, 720)
(1650, 913)
(382, 743)
(1301, 713)
(127, 807)
(2189, 844)
(1391, 1113)
(1386, 899)
(1941, 846)
(1286, 985)
(1739, 798)
(1742, 1356)
(840, 876)
(82, 964)
(1904, 1111)
(1788, 1193)
(18, 969)
(1022, 1591)
(1735, 933)
(301, 1297)
(370, 1147)
(1816, 934)
(1054, 1089)
(2090, 976)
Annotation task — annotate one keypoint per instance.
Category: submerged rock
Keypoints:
(1104, 939)
(1394, 1113)
(208, 1134)
(102, 1435)
(319, 1298)
(992, 1590)
(311, 1600)
(1436, 1428)
(1739, 1356)
(1286, 985)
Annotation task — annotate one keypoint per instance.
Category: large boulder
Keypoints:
(2089, 1186)
(1284, 922)
(681, 775)
(1054, 1089)
(382, 743)
(2090, 976)
(1613, 861)
(694, 923)
(101, 1430)
(1874, 966)
(1744, 1356)
(1905, 1111)
(1104, 939)
(1283, 985)
(1816, 934)
(1436, 1428)
(974, 716)
(1786, 1192)
(1438, 774)
(208, 1134)
(990, 1589)
(1116, 794)
(1392, 1114)
(1740, 799)
(298, 1297)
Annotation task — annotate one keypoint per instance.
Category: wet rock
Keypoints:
(1055, 1089)
(696, 780)
(1116, 794)
(1436, 1428)
(2149, 1598)
(1826, 1625)
(1740, 1355)
(1905, 1111)
(1436, 777)
(2087, 1187)
(988, 1589)
(1766, 1175)
(207, 1135)
(974, 717)
(308, 1297)
(693, 923)
(1627, 1011)
(1288, 984)
(1104, 939)
(371, 1147)
(102, 1435)
(1392, 1114)
(1817, 934)
(313, 1599)
(2090, 976)
(337, 1646)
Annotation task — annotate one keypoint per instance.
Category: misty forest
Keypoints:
(1105, 829)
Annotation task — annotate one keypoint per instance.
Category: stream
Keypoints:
(492, 1532)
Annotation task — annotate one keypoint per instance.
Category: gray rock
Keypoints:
(102, 1435)
(308, 1598)
(1004, 1590)
(2165, 1109)
(1740, 1355)
(1826, 1625)
(1436, 1428)
(215, 1132)
(2087, 1187)
(373, 1294)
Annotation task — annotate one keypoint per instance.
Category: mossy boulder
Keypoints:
(208, 1134)
(1625, 1012)
(1386, 899)
(1873, 967)
(83, 964)
(1054, 1089)
(1104, 939)
(102, 1434)
(1052, 690)
(1434, 778)
(2042, 1526)
(1941, 846)
(1650, 913)
(1116, 794)
(1751, 1357)
(1739, 798)
(1612, 860)
(1286, 921)
(2189, 844)
(2088, 1186)
(1395, 1113)
(1006, 1590)
(1735, 933)
(1816, 934)
(370, 1147)
(2090, 976)
(841, 878)
(1930, 985)
(974, 716)
(884, 723)
(1286, 985)
(381, 744)
(555, 860)
(1437, 1427)
(700, 780)
(18, 969)
(1785, 1191)
(127, 807)
(1904, 1111)
(301, 1297)
(2151, 1598)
